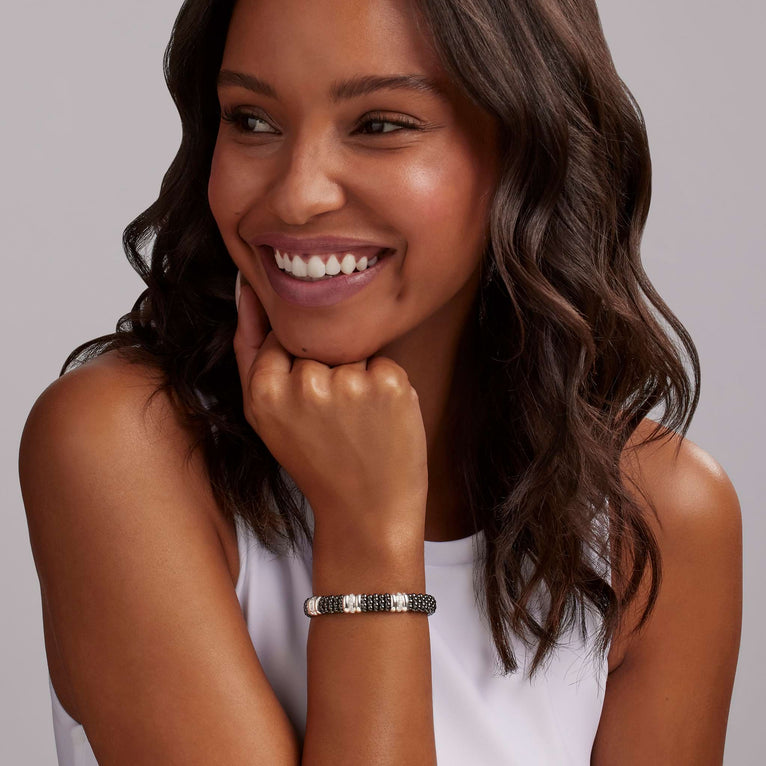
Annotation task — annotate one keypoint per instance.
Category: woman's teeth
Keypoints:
(311, 267)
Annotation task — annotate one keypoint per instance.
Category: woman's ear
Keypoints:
(237, 289)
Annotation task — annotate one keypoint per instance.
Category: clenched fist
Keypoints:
(351, 436)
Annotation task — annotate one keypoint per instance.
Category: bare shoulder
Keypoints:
(137, 593)
(112, 415)
(687, 483)
(90, 400)
(676, 674)
(695, 501)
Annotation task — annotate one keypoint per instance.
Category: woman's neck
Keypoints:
(430, 356)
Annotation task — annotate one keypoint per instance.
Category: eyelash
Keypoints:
(237, 118)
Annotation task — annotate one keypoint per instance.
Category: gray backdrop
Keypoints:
(88, 129)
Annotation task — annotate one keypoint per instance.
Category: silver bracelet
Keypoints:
(352, 603)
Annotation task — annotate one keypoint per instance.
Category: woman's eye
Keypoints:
(245, 122)
(251, 124)
(378, 125)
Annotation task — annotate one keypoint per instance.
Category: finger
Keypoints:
(272, 356)
(384, 364)
(252, 328)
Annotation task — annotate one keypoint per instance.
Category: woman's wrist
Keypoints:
(345, 565)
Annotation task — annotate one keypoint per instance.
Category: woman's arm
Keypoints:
(155, 655)
(352, 437)
(668, 701)
(369, 675)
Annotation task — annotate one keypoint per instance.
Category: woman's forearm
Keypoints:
(369, 673)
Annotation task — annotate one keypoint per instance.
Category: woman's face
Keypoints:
(304, 150)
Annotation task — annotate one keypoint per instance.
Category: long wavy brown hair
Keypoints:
(565, 351)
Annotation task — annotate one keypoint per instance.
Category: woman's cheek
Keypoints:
(227, 192)
(429, 191)
(216, 189)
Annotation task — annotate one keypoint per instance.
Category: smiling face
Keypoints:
(410, 169)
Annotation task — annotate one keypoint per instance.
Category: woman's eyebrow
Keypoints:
(342, 90)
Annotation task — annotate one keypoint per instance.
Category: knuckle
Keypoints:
(390, 377)
(310, 382)
(393, 384)
(265, 390)
(348, 383)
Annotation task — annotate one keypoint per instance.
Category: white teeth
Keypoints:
(316, 269)
(300, 269)
(332, 267)
(348, 264)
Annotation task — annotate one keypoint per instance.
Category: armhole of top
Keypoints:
(608, 550)
(243, 544)
(606, 529)
(602, 559)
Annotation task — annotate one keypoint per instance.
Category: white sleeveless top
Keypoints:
(480, 717)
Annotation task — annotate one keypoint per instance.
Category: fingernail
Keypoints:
(237, 289)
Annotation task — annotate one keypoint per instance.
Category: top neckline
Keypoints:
(439, 553)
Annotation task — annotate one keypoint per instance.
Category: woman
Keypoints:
(395, 333)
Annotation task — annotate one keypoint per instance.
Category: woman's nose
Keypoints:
(307, 183)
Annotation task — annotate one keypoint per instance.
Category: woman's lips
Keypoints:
(323, 292)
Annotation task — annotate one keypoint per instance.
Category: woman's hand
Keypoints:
(351, 436)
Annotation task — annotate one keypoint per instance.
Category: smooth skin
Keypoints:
(146, 643)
